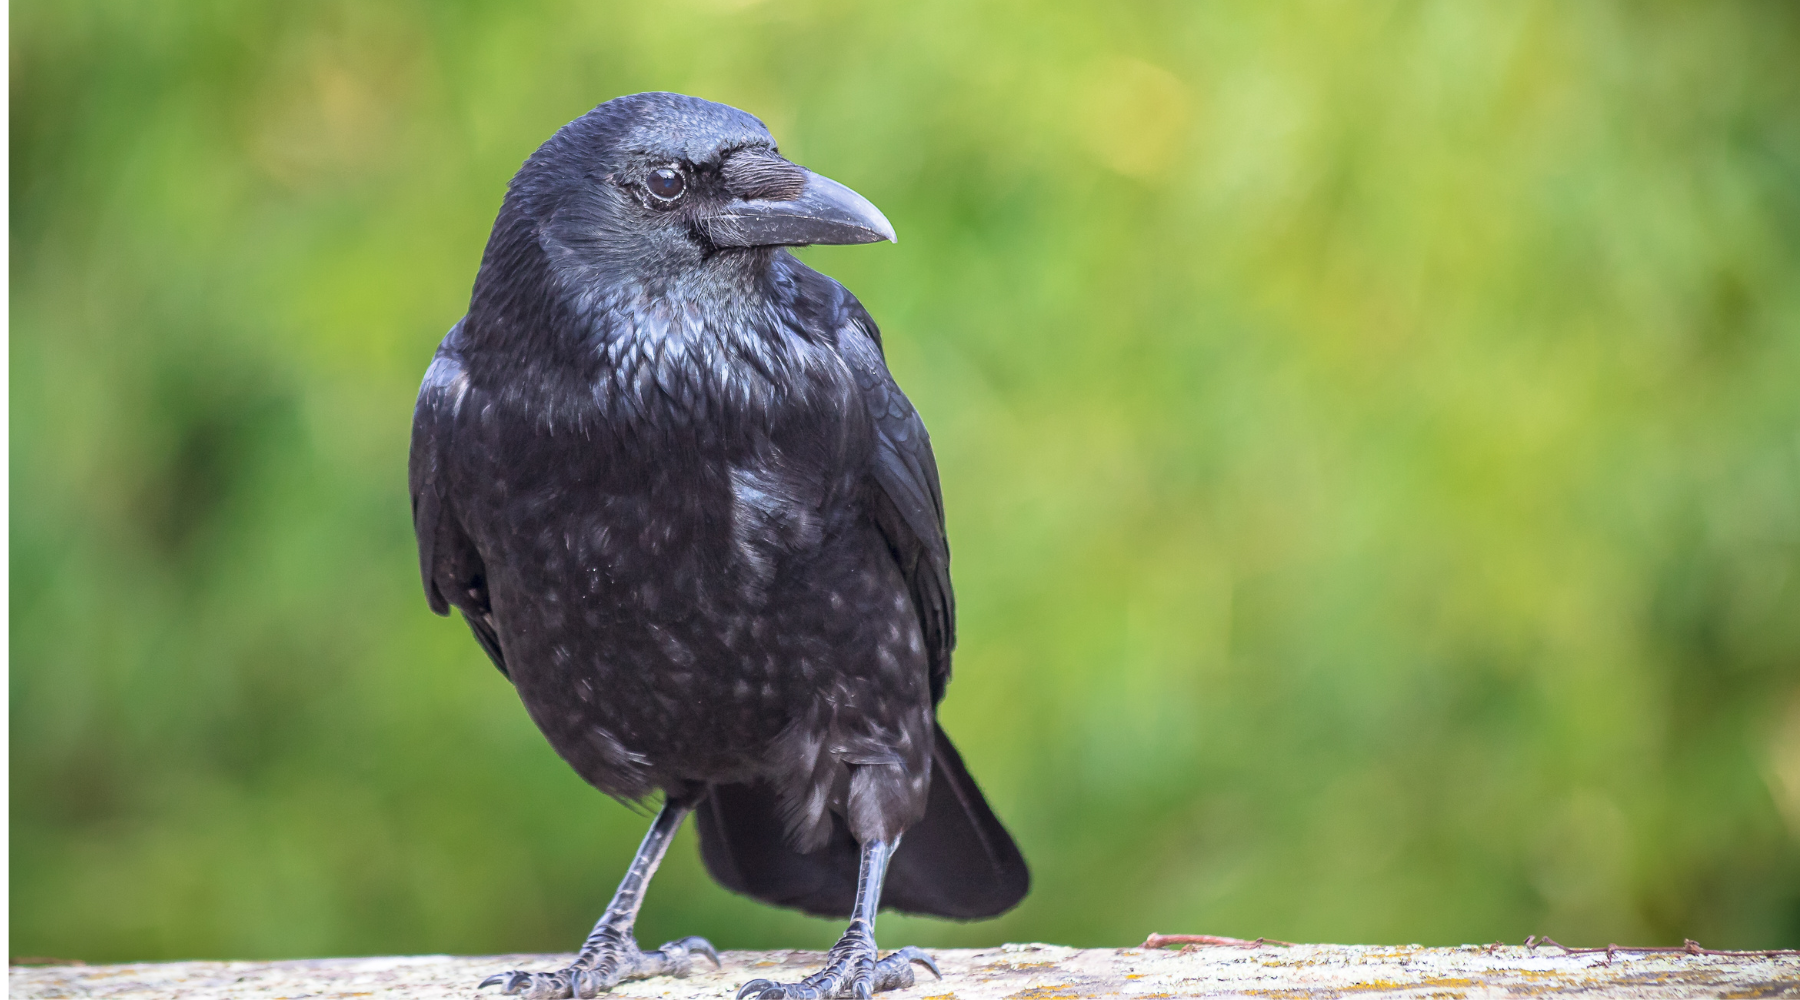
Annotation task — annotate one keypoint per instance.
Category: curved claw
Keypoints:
(756, 986)
(915, 954)
(699, 945)
(531, 983)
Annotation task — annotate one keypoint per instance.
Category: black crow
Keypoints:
(663, 472)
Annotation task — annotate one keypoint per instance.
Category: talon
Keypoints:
(756, 985)
(493, 980)
(895, 971)
(701, 945)
(919, 956)
(516, 981)
(915, 954)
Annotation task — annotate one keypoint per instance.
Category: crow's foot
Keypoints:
(851, 970)
(600, 968)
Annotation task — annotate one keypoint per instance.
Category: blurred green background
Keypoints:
(1370, 431)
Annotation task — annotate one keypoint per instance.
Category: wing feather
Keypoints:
(909, 503)
(449, 564)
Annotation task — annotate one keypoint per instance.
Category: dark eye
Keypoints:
(666, 183)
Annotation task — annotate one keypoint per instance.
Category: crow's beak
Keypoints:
(824, 212)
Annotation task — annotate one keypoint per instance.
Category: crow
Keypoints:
(661, 469)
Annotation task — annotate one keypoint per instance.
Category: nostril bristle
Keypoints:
(759, 174)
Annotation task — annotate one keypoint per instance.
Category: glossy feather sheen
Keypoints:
(684, 507)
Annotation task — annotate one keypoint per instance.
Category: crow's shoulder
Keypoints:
(817, 304)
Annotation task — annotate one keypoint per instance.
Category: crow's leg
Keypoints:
(610, 955)
(851, 968)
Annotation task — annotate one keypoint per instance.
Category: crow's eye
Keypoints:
(665, 183)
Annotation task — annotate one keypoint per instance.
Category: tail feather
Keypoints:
(957, 862)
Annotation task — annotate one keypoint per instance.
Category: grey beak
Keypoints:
(825, 212)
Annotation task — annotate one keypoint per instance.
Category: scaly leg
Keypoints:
(851, 968)
(611, 955)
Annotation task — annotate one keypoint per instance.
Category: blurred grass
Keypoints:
(1371, 435)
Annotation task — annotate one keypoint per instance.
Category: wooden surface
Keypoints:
(1014, 972)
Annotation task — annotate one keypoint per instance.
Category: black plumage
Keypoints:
(661, 469)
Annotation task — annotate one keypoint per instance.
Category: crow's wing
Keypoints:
(452, 569)
(909, 505)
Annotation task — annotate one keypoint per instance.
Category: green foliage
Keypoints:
(1370, 431)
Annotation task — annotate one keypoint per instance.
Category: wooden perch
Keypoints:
(1012, 972)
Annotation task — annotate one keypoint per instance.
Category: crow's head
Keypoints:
(661, 187)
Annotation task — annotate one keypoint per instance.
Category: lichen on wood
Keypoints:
(1010, 972)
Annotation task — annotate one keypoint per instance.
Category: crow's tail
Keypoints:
(957, 862)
